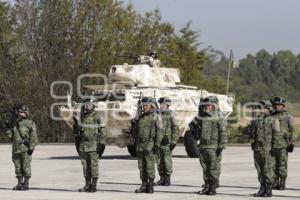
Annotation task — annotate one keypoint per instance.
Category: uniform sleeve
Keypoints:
(223, 135)
(158, 129)
(102, 133)
(33, 136)
(252, 129)
(292, 131)
(175, 130)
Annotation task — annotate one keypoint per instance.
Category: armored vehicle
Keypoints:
(118, 100)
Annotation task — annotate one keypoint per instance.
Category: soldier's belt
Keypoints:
(205, 142)
(144, 140)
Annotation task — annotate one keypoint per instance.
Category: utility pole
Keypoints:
(230, 64)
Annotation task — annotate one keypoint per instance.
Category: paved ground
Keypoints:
(57, 175)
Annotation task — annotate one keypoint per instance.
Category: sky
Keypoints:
(246, 26)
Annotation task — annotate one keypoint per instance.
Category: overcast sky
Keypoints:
(243, 25)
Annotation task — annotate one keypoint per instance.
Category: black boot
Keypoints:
(143, 187)
(276, 184)
(150, 188)
(268, 190)
(26, 183)
(282, 184)
(212, 189)
(93, 186)
(161, 181)
(205, 188)
(87, 185)
(167, 181)
(20, 183)
(261, 191)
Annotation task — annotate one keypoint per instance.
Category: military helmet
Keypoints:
(150, 100)
(278, 100)
(165, 100)
(266, 104)
(23, 109)
(211, 100)
(153, 55)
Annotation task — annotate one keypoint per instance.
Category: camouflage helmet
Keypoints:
(165, 100)
(211, 100)
(266, 104)
(150, 100)
(278, 101)
(153, 55)
(23, 109)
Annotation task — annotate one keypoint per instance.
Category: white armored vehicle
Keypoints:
(118, 100)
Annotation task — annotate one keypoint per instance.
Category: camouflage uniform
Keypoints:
(24, 140)
(280, 144)
(148, 139)
(164, 158)
(93, 134)
(262, 132)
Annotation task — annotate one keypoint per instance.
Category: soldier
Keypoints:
(22, 132)
(210, 128)
(283, 141)
(148, 139)
(154, 61)
(90, 136)
(169, 139)
(262, 130)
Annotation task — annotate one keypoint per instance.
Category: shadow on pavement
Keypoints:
(112, 157)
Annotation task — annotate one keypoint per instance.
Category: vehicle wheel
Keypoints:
(190, 145)
(131, 150)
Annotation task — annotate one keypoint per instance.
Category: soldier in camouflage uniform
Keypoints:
(91, 138)
(24, 140)
(283, 141)
(169, 139)
(262, 130)
(210, 129)
(148, 139)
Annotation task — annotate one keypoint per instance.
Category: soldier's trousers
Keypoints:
(281, 160)
(209, 163)
(89, 161)
(264, 163)
(146, 165)
(22, 162)
(164, 161)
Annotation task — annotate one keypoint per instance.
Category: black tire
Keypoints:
(190, 145)
(131, 149)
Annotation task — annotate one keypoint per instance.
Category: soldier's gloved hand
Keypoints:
(26, 142)
(273, 152)
(290, 148)
(172, 146)
(156, 150)
(219, 151)
(100, 149)
(30, 152)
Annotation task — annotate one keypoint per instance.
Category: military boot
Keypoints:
(282, 184)
(20, 183)
(26, 184)
(150, 188)
(87, 185)
(261, 191)
(93, 186)
(205, 188)
(143, 187)
(161, 181)
(212, 189)
(167, 181)
(268, 190)
(276, 184)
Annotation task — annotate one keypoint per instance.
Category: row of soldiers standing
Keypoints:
(156, 135)
(274, 136)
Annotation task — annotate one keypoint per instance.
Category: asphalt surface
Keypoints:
(57, 174)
